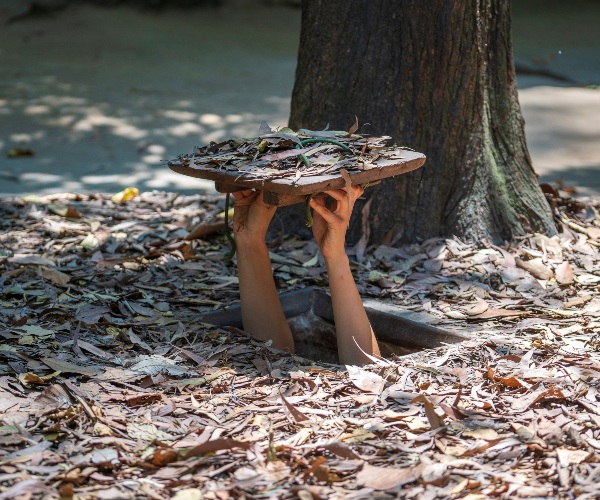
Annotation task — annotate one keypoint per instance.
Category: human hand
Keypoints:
(251, 216)
(331, 222)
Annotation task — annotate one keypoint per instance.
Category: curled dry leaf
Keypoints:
(387, 478)
(552, 393)
(578, 301)
(564, 273)
(31, 259)
(57, 277)
(505, 381)
(216, 445)
(535, 267)
(164, 456)
(67, 367)
(188, 494)
(366, 381)
(68, 212)
(594, 233)
(509, 259)
(477, 308)
(341, 450)
(354, 127)
(297, 415)
(26, 489)
(568, 457)
(348, 180)
(435, 421)
(499, 313)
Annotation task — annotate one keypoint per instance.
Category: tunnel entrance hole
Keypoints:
(310, 316)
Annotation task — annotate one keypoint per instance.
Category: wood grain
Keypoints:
(381, 169)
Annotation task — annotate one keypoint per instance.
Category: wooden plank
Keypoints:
(221, 187)
(282, 200)
(381, 169)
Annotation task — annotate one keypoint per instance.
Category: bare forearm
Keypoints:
(351, 322)
(262, 314)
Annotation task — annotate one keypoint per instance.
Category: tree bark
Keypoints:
(438, 77)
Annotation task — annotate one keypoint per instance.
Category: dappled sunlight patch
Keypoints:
(4, 108)
(234, 118)
(184, 103)
(61, 121)
(212, 119)
(139, 175)
(83, 144)
(185, 129)
(123, 179)
(96, 118)
(68, 186)
(215, 135)
(37, 109)
(184, 116)
(169, 180)
(155, 149)
(62, 100)
(45, 183)
(41, 177)
(24, 137)
(153, 154)
(152, 159)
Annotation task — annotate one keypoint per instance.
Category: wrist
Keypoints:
(337, 260)
(250, 241)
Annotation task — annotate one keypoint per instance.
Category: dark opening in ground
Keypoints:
(310, 315)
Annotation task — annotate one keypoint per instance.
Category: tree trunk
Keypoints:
(438, 77)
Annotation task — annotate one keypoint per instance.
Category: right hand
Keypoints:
(331, 222)
(251, 215)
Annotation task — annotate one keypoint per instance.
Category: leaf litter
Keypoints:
(111, 388)
(288, 154)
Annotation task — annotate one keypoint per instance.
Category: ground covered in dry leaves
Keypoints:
(111, 388)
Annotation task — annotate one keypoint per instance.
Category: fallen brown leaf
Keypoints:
(387, 478)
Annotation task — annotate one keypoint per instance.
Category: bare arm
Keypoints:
(351, 322)
(262, 313)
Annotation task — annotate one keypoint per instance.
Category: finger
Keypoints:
(239, 195)
(324, 212)
(321, 200)
(248, 199)
(337, 194)
(358, 190)
(343, 201)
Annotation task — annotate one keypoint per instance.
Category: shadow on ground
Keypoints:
(103, 97)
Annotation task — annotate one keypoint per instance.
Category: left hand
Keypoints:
(251, 216)
(331, 223)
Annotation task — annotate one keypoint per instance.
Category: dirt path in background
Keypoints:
(134, 90)
(103, 96)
